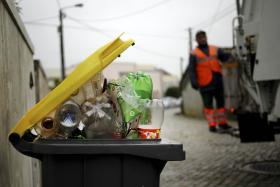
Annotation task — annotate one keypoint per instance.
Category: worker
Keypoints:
(206, 76)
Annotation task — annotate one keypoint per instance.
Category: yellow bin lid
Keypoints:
(82, 73)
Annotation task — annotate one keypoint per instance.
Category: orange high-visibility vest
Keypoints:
(206, 65)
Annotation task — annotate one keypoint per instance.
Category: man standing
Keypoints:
(206, 76)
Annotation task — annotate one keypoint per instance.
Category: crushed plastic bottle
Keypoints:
(100, 121)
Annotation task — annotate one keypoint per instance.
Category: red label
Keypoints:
(149, 133)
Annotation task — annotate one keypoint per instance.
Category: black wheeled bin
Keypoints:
(92, 163)
(96, 163)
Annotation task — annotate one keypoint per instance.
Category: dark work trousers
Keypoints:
(216, 93)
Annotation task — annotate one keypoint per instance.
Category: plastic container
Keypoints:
(152, 118)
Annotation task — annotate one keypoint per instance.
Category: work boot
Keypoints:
(229, 130)
(212, 129)
(235, 133)
(209, 114)
(225, 126)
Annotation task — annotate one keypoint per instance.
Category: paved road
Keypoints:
(214, 160)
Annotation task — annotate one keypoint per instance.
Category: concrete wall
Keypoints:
(41, 81)
(16, 96)
(191, 102)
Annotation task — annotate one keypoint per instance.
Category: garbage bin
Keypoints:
(87, 163)
(114, 163)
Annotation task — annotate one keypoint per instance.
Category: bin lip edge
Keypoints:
(167, 152)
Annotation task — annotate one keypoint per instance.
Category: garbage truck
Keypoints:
(256, 41)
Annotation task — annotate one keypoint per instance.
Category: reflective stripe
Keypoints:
(209, 115)
(221, 116)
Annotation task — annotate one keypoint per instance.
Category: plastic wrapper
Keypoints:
(90, 90)
(129, 94)
(132, 134)
(142, 84)
(97, 111)
(126, 103)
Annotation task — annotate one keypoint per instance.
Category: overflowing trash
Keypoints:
(99, 109)
(87, 106)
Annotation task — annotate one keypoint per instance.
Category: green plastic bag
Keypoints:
(129, 109)
(131, 92)
(142, 84)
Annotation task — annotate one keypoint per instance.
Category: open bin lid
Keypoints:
(82, 73)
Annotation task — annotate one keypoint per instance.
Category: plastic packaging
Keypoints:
(100, 122)
(90, 90)
(125, 102)
(129, 94)
(142, 84)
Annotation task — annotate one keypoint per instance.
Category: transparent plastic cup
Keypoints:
(151, 120)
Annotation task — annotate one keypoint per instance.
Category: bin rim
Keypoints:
(161, 149)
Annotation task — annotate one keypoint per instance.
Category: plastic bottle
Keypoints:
(100, 121)
(68, 116)
(47, 127)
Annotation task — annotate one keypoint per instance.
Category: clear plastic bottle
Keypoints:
(47, 127)
(68, 116)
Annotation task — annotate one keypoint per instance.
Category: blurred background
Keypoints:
(159, 27)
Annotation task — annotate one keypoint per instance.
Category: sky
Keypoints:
(159, 28)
